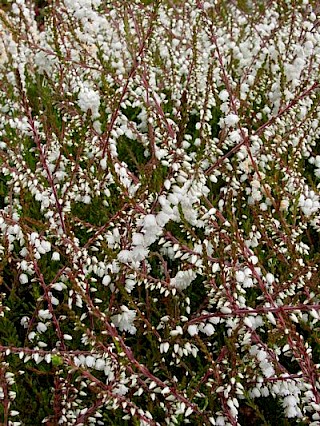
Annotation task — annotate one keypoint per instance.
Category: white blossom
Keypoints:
(231, 120)
(55, 256)
(89, 99)
(23, 278)
(193, 330)
(124, 320)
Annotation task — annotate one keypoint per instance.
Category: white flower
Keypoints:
(67, 337)
(100, 364)
(120, 389)
(31, 335)
(189, 410)
(224, 95)
(183, 279)
(124, 256)
(138, 239)
(162, 218)
(124, 321)
(139, 253)
(89, 99)
(149, 221)
(59, 286)
(46, 245)
(34, 235)
(267, 369)
(23, 278)
(129, 285)
(220, 421)
(25, 321)
(178, 330)
(225, 310)
(240, 276)
(55, 256)
(164, 347)
(44, 314)
(41, 327)
(309, 202)
(24, 265)
(103, 163)
(235, 136)
(248, 322)
(290, 404)
(231, 119)
(193, 330)
(284, 204)
(54, 300)
(270, 278)
(90, 361)
(106, 280)
(208, 329)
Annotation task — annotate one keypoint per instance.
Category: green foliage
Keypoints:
(132, 153)
(3, 190)
(34, 386)
(8, 333)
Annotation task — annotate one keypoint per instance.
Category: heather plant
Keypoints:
(159, 212)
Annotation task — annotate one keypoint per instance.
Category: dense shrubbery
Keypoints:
(160, 215)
